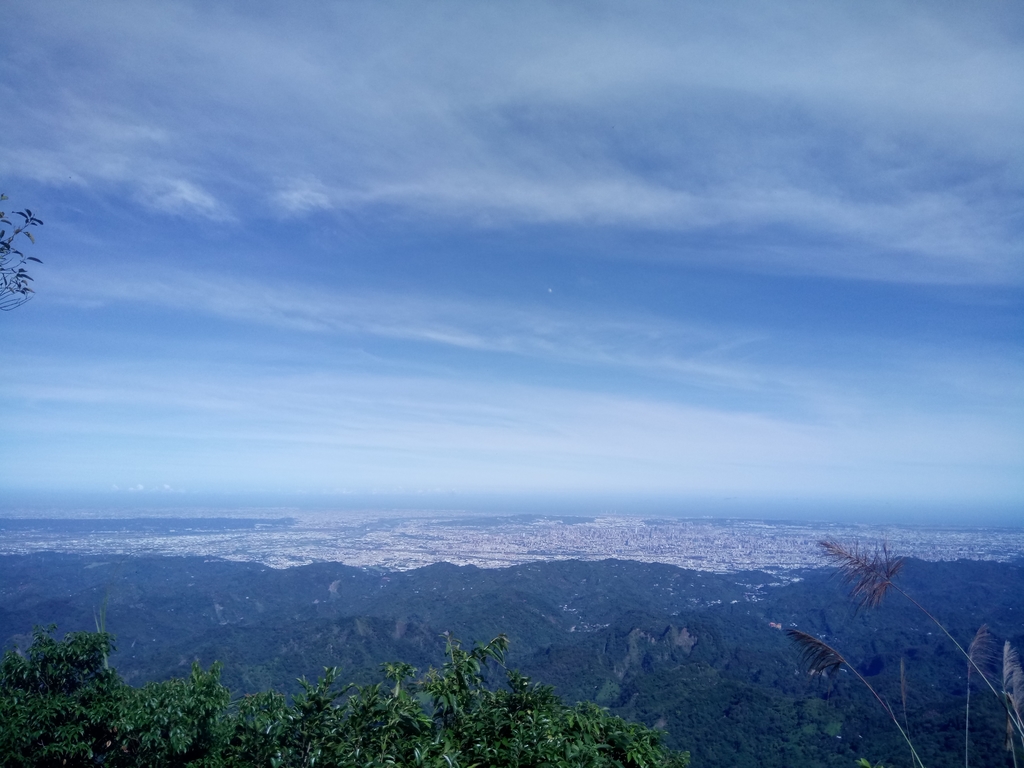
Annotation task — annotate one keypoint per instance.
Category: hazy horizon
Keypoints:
(440, 505)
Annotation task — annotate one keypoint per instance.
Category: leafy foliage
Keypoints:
(14, 278)
(60, 704)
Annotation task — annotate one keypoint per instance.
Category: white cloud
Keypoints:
(656, 345)
(183, 197)
(865, 141)
(727, 363)
(891, 131)
(303, 195)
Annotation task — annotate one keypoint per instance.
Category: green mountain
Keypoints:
(698, 655)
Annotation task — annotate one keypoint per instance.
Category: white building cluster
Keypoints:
(394, 542)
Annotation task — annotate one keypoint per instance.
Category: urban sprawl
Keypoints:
(399, 543)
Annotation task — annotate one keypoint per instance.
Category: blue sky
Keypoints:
(687, 251)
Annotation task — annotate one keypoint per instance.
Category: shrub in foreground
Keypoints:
(60, 704)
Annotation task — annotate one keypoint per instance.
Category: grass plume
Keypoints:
(868, 574)
(820, 658)
(871, 575)
(979, 653)
(1013, 696)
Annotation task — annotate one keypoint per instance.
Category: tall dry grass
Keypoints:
(870, 575)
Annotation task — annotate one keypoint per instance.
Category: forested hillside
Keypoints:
(698, 655)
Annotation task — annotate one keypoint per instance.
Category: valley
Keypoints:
(696, 653)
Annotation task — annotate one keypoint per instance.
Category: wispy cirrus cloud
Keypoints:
(729, 360)
(305, 430)
(812, 140)
(303, 195)
(475, 325)
(183, 197)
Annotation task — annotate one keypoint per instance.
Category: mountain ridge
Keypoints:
(606, 631)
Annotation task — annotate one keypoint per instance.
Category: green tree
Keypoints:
(178, 722)
(61, 705)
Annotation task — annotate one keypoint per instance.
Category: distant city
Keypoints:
(290, 538)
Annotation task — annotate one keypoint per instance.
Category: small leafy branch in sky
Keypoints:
(14, 278)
